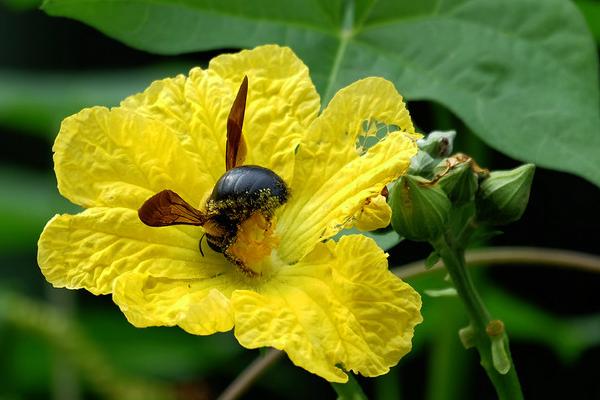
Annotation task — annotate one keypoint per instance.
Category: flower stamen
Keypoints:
(255, 240)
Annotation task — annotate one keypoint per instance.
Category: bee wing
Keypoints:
(236, 146)
(168, 208)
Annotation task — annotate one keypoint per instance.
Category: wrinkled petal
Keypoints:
(90, 250)
(375, 214)
(333, 307)
(116, 158)
(332, 177)
(282, 102)
(199, 306)
(338, 306)
(195, 110)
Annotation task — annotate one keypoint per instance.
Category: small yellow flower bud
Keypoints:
(419, 209)
(503, 196)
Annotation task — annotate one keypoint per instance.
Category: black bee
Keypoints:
(240, 193)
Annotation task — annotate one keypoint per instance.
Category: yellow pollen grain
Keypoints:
(255, 240)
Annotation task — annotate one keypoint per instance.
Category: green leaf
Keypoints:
(522, 74)
(385, 238)
(591, 12)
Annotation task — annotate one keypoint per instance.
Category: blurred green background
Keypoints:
(72, 345)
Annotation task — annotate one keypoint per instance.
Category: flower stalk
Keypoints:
(491, 344)
(465, 198)
(350, 390)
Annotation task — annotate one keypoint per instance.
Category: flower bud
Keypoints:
(435, 146)
(419, 209)
(503, 195)
(438, 144)
(460, 184)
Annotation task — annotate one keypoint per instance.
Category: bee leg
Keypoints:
(200, 244)
(240, 264)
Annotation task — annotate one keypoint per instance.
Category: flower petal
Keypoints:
(332, 179)
(118, 158)
(375, 214)
(282, 103)
(338, 306)
(199, 306)
(195, 109)
(90, 250)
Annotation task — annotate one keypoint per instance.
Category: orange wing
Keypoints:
(236, 146)
(168, 208)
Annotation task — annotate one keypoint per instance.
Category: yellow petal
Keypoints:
(197, 305)
(375, 214)
(338, 306)
(282, 102)
(332, 178)
(90, 250)
(195, 109)
(118, 158)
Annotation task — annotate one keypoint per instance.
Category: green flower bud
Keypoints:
(460, 184)
(438, 144)
(419, 208)
(422, 164)
(435, 146)
(503, 195)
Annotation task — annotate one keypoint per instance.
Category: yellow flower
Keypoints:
(332, 306)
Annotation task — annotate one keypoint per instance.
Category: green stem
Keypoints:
(506, 384)
(350, 390)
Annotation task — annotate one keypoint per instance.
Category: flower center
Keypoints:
(254, 243)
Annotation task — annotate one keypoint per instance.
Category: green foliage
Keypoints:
(37, 102)
(567, 337)
(591, 12)
(28, 201)
(385, 238)
(521, 73)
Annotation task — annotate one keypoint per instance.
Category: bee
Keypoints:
(241, 192)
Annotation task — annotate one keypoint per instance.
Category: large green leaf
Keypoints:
(591, 12)
(521, 73)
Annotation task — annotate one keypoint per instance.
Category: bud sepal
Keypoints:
(420, 208)
(503, 195)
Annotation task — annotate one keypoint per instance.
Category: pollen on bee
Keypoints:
(255, 240)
